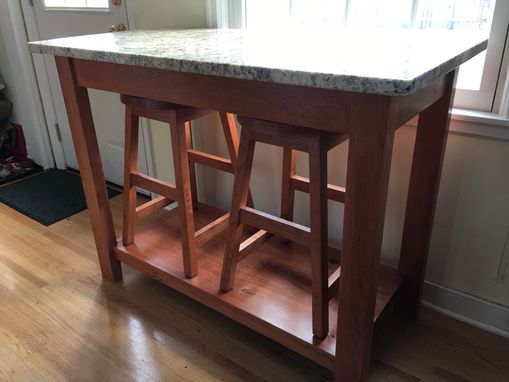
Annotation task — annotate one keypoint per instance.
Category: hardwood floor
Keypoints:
(60, 322)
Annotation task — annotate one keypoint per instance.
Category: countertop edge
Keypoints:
(348, 83)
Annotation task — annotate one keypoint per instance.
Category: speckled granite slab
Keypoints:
(390, 62)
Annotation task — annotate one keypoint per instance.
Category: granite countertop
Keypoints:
(389, 62)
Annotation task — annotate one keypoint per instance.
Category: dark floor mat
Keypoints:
(48, 197)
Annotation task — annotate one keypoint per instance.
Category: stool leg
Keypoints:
(232, 142)
(192, 166)
(319, 241)
(184, 194)
(130, 166)
(287, 191)
(239, 200)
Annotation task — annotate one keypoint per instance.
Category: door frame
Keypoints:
(32, 117)
(42, 79)
(55, 144)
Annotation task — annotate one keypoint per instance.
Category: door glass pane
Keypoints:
(76, 4)
(97, 3)
(54, 3)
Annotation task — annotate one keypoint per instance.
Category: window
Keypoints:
(90, 4)
(478, 78)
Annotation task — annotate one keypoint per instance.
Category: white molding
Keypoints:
(237, 14)
(480, 117)
(478, 130)
(43, 86)
(28, 98)
(210, 12)
(479, 124)
(463, 307)
(217, 13)
(475, 124)
(501, 104)
(225, 13)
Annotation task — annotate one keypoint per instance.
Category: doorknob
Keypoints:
(120, 27)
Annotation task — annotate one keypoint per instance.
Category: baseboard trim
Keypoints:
(466, 308)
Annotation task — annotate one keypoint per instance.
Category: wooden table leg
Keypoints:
(91, 171)
(422, 194)
(369, 157)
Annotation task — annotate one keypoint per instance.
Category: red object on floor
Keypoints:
(19, 148)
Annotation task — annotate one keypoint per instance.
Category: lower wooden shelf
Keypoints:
(271, 294)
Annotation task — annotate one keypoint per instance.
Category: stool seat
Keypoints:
(146, 103)
(284, 135)
(316, 143)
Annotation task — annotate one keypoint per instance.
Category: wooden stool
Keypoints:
(184, 159)
(317, 143)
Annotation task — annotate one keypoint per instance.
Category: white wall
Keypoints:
(17, 69)
(153, 14)
(168, 14)
(5, 68)
(472, 217)
(469, 251)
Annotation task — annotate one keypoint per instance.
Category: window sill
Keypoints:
(477, 124)
(480, 117)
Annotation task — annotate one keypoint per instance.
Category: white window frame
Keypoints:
(493, 95)
(484, 98)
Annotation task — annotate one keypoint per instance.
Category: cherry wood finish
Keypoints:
(239, 200)
(369, 155)
(369, 120)
(179, 145)
(132, 122)
(185, 157)
(152, 206)
(91, 171)
(287, 189)
(283, 316)
(192, 167)
(422, 194)
(319, 236)
(295, 105)
(316, 143)
(169, 190)
(277, 226)
(301, 183)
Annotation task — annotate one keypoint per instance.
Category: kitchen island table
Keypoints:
(362, 83)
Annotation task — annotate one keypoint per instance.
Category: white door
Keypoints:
(63, 18)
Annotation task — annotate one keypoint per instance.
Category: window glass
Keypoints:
(380, 13)
(324, 12)
(459, 15)
(421, 14)
(267, 13)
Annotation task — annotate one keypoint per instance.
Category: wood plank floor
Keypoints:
(60, 322)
